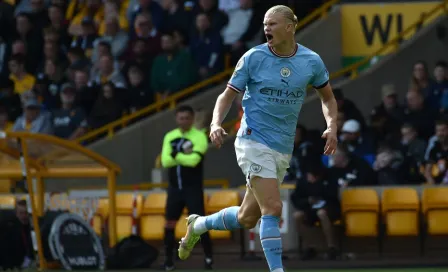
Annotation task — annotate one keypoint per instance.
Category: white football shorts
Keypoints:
(256, 159)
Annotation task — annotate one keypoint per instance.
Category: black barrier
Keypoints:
(74, 243)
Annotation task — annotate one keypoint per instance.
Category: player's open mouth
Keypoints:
(269, 37)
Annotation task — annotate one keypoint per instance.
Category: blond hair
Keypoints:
(286, 12)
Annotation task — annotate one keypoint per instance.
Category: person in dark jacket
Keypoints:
(305, 153)
(206, 46)
(171, 71)
(316, 199)
(348, 108)
(347, 169)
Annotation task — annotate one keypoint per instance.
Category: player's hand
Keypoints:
(332, 141)
(217, 134)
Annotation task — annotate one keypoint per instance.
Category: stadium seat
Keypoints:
(7, 202)
(152, 220)
(125, 206)
(435, 209)
(5, 185)
(152, 227)
(401, 207)
(154, 203)
(360, 210)
(124, 226)
(218, 201)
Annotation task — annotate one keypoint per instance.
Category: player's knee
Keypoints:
(272, 207)
(248, 221)
(170, 224)
(322, 214)
(299, 216)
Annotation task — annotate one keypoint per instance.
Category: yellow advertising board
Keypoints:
(367, 27)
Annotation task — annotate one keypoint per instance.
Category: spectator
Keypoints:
(175, 16)
(58, 23)
(90, 11)
(316, 199)
(228, 5)
(347, 169)
(113, 11)
(33, 120)
(39, 15)
(52, 53)
(411, 145)
(10, 99)
(139, 90)
(86, 92)
(349, 108)
(218, 18)
(413, 150)
(387, 117)
(117, 38)
(440, 89)
(420, 79)
(137, 7)
(108, 73)
(389, 166)
(104, 49)
(69, 122)
(436, 166)
(86, 37)
(32, 39)
(51, 35)
(75, 55)
(25, 233)
(19, 48)
(47, 91)
(23, 81)
(180, 39)
(206, 47)
(418, 114)
(145, 31)
(305, 155)
(357, 143)
(171, 71)
(243, 28)
(139, 56)
(108, 107)
(5, 125)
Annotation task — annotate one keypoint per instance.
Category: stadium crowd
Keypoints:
(403, 143)
(70, 66)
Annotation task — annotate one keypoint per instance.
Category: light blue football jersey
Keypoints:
(274, 90)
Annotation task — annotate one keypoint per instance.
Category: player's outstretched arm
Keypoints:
(222, 107)
(330, 111)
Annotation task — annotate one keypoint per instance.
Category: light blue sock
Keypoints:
(271, 241)
(225, 219)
